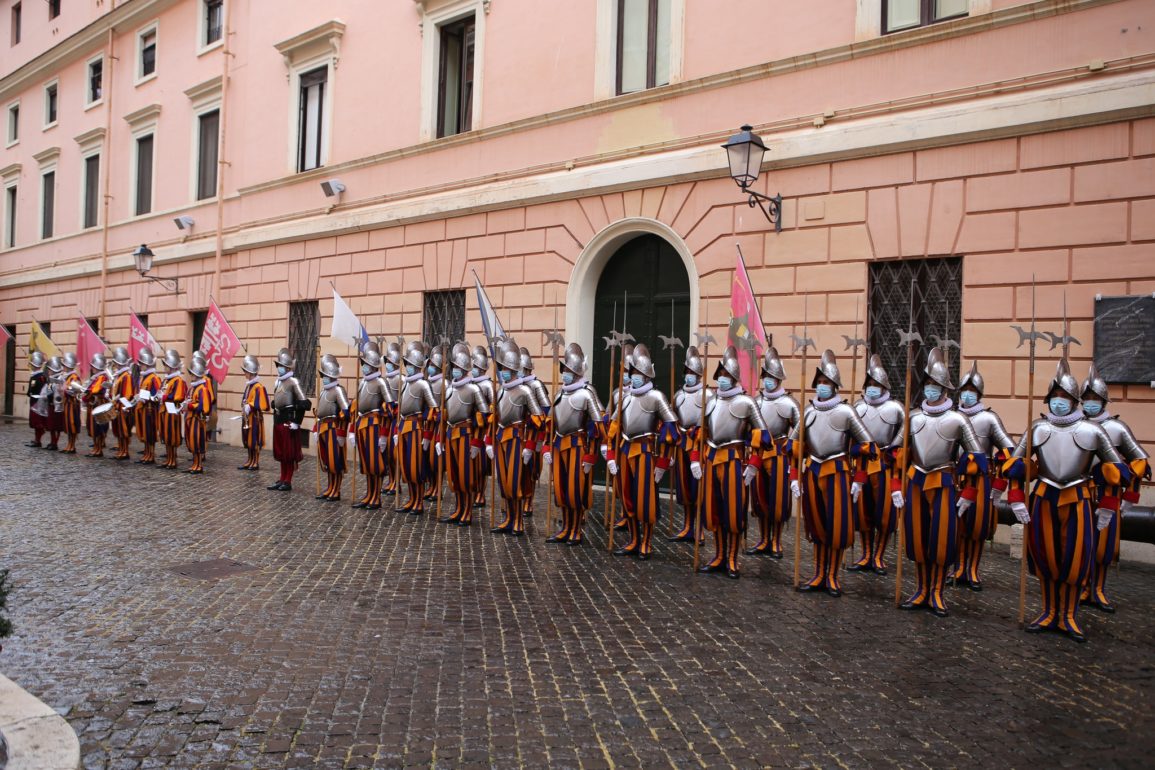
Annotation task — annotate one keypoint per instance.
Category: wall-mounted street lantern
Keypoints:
(142, 258)
(745, 151)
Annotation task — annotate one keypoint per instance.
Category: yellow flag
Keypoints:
(38, 340)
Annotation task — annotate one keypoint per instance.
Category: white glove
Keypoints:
(795, 489)
(526, 456)
(658, 474)
(613, 467)
(696, 469)
(1103, 516)
(1125, 506)
(604, 449)
(489, 451)
(898, 500)
(963, 505)
(340, 441)
(437, 448)
(587, 467)
(1021, 513)
(855, 491)
(749, 474)
(352, 440)
(292, 425)
(547, 458)
(474, 452)
(382, 443)
(425, 444)
(396, 438)
(248, 408)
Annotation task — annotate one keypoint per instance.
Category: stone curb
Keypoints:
(38, 738)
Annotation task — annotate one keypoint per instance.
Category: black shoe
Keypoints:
(835, 592)
(1077, 636)
(733, 574)
(32, 444)
(321, 497)
(1036, 628)
(416, 511)
(880, 570)
(856, 567)
(359, 504)
(242, 467)
(555, 539)
(940, 612)
(909, 605)
(625, 551)
(447, 520)
(500, 530)
(50, 447)
(643, 556)
(680, 539)
(462, 523)
(706, 568)
(335, 499)
(975, 586)
(286, 486)
(575, 543)
(807, 588)
(756, 551)
(516, 533)
(775, 554)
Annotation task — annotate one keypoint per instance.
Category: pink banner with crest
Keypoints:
(219, 342)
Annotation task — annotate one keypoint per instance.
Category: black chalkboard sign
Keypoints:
(1125, 339)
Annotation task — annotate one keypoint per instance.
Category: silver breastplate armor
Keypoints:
(538, 389)
(1123, 439)
(435, 387)
(573, 411)
(287, 392)
(461, 403)
(372, 395)
(688, 406)
(829, 432)
(643, 415)
(884, 422)
(780, 414)
(332, 403)
(416, 397)
(936, 439)
(990, 432)
(1064, 453)
(731, 420)
(515, 405)
(393, 385)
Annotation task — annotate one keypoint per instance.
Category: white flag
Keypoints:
(346, 327)
(489, 320)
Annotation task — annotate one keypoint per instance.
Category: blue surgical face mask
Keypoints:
(932, 392)
(691, 380)
(1060, 407)
(637, 380)
(475, 372)
(506, 375)
(326, 380)
(968, 398)
(824, 392)
(281, 370)
(430, 370)
(725, 383)
(873, 392)
(366, 369)
(457, 373)
(390, 367)
(1092, 408)
(410, 369)
(567, 378)
(769, 383)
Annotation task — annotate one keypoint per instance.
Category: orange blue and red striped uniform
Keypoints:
(147, 414)
(978, 524)
(638, 457)
(256, 398)
(369, 428)
(175, 392)
(411, 457)
(508, 443)
(685, 485)
(460, 441)
(123, 421)
(724, 494)
(571, 454)
(199, 407)
(71, 412)
(94, 396)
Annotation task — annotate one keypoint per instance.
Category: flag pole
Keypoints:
(618, 441)
(798, 450)
(317, 444)
(441, 432)
(701, 439)
(353, 428)
(898, 556)
(849, 554)
(1029, 449)
(550, 432)
(670, 497)
(613, 363)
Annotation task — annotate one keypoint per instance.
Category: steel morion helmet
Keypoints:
(1094, 384)
(509, 357)
(415, 355)
(574, 360)
(437, 358)
(120, 357)
(172, 359)
(641, 362)
(393, 354)
(285, 359)
(729, 365)
(1064, 381)
(480, 358)
(250, 365)
(936, 369)
(459, 357)
(876, 372)
(197, 367)
(145, 358)
(98, 363)
(973, 379)
(693, 363)
(828, 368)
(36, 360)
(54, 365)
(329, 367)
(526, 361)
(772, 365)
(69, 360)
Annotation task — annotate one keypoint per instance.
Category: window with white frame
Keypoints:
(898, 15)
(143, 161)
(95, 85)
(146, 53)
(47, 202)
(51, 95)
(90, 209)
(311, 59)
(12, 135)
(208, 139)
(311, 95)
(456, 58)
(212, 21)
(10, 197)
(643, 50)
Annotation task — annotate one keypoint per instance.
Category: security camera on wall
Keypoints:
(184, 222)
(332, 188)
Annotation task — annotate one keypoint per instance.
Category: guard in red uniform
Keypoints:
(123, 395)
(289, 408)
(174, 391)
(254, 405)
(147, 405)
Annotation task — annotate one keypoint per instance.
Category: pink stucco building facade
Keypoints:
(533, 142)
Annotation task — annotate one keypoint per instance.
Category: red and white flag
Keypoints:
(88, 344)
(219, 342)
(746, 333)
(140, 337)
(5, 337)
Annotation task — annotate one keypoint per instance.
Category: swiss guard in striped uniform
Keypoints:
(771, 494)
(575, 427)
(197, 409)
(433, 375)
(735, 437)
(96, 394)
(122, 388)
(371, 425)
(537, 387)
(875, 512)
(392, 379)
(1060, 525)
(827, 483)
(611, 413)
(332, 417)
(414, 432)
(289, 407)
(479, 371)
(54, 402)
(73, 388)
(687, 405)
(1095, 398)
(946, 465)
(174, 390)
(642, 439)
(518, 420)
(37, 411)
(147, 408)
(254, 405)
(978, 523)
(466, 417)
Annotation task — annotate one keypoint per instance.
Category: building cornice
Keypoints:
(124, 17)
(10, 172)
(144, 115)
(44, 157)
(323, 37)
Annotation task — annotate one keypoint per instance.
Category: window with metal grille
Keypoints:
(444, 316)
(304, 331)
(935, 286)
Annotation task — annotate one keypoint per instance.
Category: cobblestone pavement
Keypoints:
(379, 640)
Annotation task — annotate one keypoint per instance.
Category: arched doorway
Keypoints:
(651, 272)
